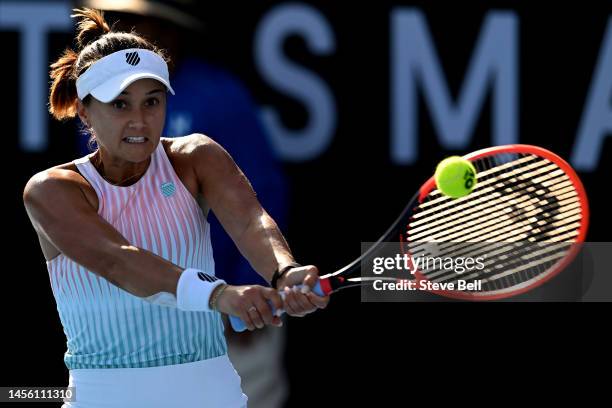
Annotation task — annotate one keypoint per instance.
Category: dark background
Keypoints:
(347, 195)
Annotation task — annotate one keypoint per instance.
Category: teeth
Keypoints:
(138, 139)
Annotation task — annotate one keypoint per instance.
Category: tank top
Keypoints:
(107, 327)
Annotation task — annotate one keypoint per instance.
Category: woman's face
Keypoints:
(129, 127)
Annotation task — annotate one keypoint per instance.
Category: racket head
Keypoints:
(528, 200)
(519, 187)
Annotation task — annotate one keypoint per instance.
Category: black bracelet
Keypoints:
(279, 273)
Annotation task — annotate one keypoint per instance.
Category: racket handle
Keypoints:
(238, 324)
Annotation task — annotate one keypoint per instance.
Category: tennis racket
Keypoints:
(527, 214)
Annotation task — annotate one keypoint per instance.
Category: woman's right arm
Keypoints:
(59, 211)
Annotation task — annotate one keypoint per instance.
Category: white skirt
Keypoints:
(208, 383)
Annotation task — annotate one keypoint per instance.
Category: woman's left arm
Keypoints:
(231, 197)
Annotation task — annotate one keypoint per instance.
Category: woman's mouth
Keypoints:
(135, 139)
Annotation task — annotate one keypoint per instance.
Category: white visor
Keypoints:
(109, 76)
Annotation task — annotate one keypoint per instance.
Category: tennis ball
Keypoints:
(455, 176)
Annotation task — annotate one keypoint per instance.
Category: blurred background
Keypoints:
(337, 113)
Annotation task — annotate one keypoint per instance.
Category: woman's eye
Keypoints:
(119, 104)
(153, 102)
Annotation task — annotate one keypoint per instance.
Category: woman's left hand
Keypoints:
(297, 303)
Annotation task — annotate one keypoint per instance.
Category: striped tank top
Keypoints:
(107, 327)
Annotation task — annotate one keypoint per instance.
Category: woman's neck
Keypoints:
(119, 173)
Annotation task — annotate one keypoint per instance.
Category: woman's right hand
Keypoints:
(250, 303)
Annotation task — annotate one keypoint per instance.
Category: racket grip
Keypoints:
(238, 324)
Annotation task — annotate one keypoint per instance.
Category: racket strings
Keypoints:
(443, 222)
(521, 219)
(508, 267)
(496, 187)
(490, 221)
(461, 227)
(517, 193)
(467, 249)
(486, 171)
(516, 264)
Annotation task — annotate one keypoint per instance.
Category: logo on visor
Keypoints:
(132, 58)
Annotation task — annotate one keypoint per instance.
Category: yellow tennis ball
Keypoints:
(455, 177)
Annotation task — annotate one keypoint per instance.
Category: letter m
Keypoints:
(414, 63)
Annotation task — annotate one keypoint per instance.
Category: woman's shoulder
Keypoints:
(66, 172)
(196, 148)
(184, 153)
(189, 144)
(56, 178)
(197, 158)
(70, 166)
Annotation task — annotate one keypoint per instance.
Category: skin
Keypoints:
(69, 223)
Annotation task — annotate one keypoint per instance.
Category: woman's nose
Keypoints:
(137, 120)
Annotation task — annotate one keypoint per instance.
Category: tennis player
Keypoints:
(128, 248)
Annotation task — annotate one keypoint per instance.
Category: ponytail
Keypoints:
(91, 27)
(63, 96)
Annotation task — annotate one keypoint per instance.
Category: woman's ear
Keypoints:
(82, 112)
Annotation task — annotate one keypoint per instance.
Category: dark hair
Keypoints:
(94, 40)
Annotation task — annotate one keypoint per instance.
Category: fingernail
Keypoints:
(305, 289)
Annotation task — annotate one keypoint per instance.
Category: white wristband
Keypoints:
(194, 289)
